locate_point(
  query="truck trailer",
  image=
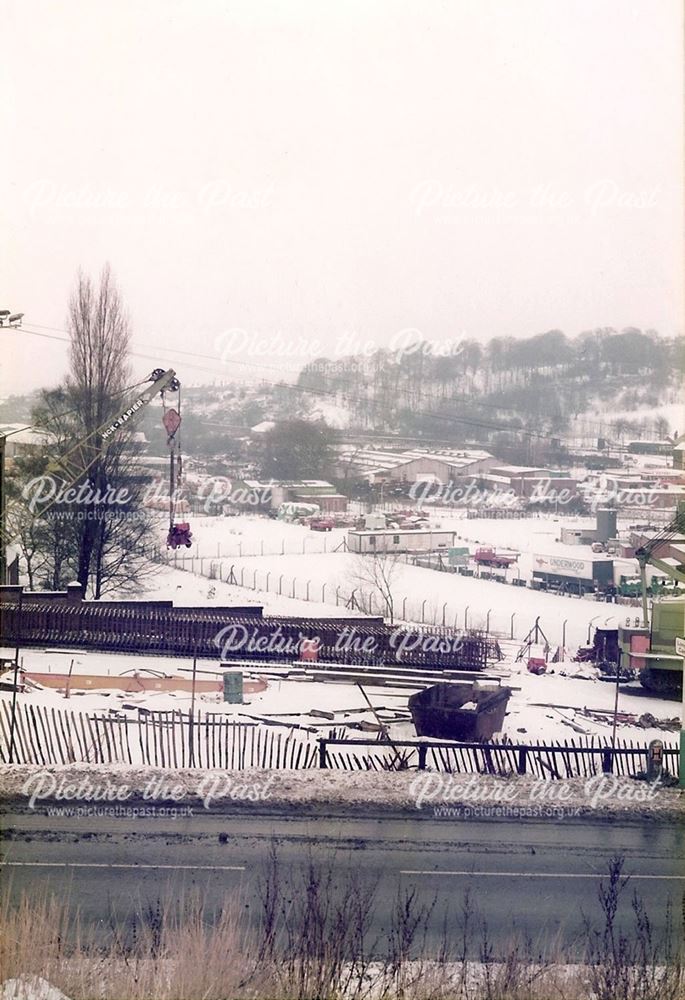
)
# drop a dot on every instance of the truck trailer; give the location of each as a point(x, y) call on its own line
point(571, 575)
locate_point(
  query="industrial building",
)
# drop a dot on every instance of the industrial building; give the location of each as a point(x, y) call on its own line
point(270, 495)
point(585, 534)
point(531, 483)
point(416, 466)
point(399, 540)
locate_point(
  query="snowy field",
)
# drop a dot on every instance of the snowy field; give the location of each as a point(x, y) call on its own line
point(255, 535)
point(550, 706)
point(420, 594)
point(188, 589)
point(271, 556)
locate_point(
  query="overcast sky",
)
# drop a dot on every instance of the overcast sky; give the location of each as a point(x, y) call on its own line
point(309, 171)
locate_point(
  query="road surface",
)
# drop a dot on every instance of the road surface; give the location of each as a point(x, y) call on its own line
point(539, 876)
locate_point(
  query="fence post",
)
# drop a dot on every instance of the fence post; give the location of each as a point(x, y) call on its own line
point(487, 621)
point(323, 593)
point(254, 580)
point(589, 628)
point(466, 616)
point(337, 596)
point(423, 611)
point(511, 625)
point(306, 593)
point(563, 636)
point(422, 757)
point(322, 752)
point(294, 585)
point(242, 574)
point(521, 767)
point(283, 546)
point(444, 611)
point(261, 547)
point(404, 609)
point(280, 584)
point(240, 548)
point(607, 760)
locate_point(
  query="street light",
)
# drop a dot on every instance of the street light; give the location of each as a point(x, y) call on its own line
point(8, 318)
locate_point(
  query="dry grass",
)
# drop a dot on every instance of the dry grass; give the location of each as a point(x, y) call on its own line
point(316, 943)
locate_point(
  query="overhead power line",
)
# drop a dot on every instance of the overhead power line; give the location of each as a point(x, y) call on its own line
point(357, 399)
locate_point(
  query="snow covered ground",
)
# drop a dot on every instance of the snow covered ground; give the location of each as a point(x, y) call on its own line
point(420, 594)
point(546, 707)
point(254, 534)
point(190, 589)
point(370, 791)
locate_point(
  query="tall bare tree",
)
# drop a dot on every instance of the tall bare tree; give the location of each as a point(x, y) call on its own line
point(98, 372)
point(375, 579)
point(98, 536)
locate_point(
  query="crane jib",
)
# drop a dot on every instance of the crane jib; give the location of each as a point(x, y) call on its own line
point(123, 418)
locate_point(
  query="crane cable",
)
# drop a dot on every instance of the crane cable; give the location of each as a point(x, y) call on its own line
point(42, 424)
point(175, 468)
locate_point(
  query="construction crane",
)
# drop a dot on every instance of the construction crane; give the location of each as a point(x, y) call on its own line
point(649, 554)
point(74, 463)
point(652, 645)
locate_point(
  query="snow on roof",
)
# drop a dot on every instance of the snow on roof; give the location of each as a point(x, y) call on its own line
point(21, 434)
point(522, 470)
point(401, 531)
point(327, 496)
point(378, 460)
point(12, 552)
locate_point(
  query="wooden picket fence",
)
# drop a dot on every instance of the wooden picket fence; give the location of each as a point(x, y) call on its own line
point(159, 739)
point(569, 759)
point(212, 740)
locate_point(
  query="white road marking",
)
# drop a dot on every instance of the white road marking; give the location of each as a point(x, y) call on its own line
point(84, 864)
point(537, 874)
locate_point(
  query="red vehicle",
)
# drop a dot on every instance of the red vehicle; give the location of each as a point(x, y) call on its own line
point(537, 660)
point(487, 556)
point(321, 524)
point(179, 534)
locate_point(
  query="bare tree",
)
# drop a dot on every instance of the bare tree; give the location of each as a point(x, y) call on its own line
point(375, 577)
point(98, 372)
point(98, 536)
point(661, 427)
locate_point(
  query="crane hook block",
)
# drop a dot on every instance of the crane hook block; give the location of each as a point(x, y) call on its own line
point(172, 422)
point(179, 534)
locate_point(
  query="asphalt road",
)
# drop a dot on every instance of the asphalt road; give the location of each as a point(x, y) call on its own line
point(539, 876)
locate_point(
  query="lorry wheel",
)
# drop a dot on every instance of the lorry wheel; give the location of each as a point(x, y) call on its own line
point(663, 682)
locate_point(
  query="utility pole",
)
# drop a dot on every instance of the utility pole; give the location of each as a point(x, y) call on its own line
point(13, 321)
